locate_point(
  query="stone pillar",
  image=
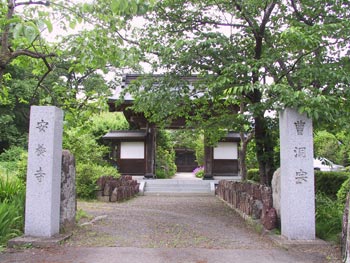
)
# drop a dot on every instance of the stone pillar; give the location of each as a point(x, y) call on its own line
point(208, 163)
point(42, 214)
point(297, 176)
point(68, 205)
point(150, 152)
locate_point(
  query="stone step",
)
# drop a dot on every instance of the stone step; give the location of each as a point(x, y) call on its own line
point(174, 190)
point(168, 186)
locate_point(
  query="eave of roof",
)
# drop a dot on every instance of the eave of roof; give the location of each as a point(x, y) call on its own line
point(120, 135)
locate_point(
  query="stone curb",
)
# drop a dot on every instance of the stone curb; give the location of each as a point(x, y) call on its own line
point(39, 242)
point(286, 243)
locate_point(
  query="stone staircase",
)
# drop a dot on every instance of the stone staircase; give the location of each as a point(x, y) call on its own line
point(172, 186)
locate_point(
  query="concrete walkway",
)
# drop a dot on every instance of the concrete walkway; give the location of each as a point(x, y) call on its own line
point(193, 229)
point(185, 176)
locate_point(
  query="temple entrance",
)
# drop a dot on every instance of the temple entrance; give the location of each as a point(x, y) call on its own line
point(135, 152)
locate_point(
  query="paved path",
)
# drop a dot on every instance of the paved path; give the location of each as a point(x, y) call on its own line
point(193, 229)
point(185, 176)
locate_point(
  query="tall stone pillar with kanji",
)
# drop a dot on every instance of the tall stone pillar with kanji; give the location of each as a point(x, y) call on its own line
point(297, 176)
point(43, 189)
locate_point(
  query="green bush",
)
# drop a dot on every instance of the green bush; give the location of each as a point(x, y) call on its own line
point(343, 191)
point(329, 183)
point(253, 175)
point(199, 172)
point(87, 175)
point(329, 216)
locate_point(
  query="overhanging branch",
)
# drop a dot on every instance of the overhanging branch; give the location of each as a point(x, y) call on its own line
point(46, 3)
point(25, 52)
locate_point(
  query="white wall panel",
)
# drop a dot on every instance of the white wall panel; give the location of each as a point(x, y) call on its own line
point(226, 151)
point(132, 150)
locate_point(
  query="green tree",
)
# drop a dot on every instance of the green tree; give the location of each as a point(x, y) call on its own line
point(67, 72)
point(255, 55)
point(98, 45)
point(14, 109)
point(327, 145)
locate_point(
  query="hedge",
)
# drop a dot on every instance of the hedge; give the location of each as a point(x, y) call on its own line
point(329, 183)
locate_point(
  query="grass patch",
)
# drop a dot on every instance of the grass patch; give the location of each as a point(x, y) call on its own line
point(81, 214)
point(329, 214)
point(12, 198)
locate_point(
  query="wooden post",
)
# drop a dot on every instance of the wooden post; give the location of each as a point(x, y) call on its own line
point(208, 163)
point(150, 151)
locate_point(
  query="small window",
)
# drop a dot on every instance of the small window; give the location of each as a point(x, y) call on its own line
point(132, 150)
point(226, 151)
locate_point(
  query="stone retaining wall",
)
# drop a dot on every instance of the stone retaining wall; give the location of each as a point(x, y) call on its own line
point(111, 189)
point(253, 200)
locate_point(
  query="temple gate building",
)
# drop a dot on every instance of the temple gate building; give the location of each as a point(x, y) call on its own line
point(133, 151)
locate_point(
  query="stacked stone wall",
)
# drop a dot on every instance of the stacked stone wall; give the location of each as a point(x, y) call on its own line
point(112, 189)
point(253, 200)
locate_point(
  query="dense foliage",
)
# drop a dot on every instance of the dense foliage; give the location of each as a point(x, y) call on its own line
point(84, 141)
point(165, 155)
point(343, 191)
point(250, 58)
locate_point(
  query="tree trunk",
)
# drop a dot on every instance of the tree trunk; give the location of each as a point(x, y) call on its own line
point(243, 154)
point(264, 150)
point(242, 162)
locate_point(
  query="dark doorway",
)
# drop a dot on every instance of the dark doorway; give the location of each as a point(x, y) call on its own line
point(185, 160)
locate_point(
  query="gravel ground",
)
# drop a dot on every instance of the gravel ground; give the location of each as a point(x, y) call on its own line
point(154, 228)
point(167, 222)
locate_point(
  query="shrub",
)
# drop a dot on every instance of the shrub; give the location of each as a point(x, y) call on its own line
point(87, 175)
point(343, 191)
point(199, 172)
point(253, 175)
point(330, 182)
point(329, 216)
